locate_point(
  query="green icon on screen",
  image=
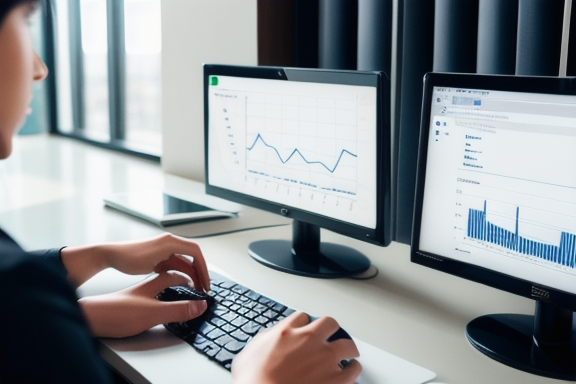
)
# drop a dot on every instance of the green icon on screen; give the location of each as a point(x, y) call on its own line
point(213, 80)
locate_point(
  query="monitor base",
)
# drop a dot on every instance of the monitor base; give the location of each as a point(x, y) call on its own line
point(509, 339)
point(332, 260)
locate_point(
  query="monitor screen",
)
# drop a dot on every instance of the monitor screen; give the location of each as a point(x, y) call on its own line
point(496, 203)
point(308, 144)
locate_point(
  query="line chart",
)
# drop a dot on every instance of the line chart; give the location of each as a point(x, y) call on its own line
point(296, 151)
point(306, 144)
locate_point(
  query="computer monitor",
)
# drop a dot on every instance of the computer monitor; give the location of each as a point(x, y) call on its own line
point(308, 144)
point(496, 204)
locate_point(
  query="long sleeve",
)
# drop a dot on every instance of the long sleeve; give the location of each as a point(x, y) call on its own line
point(44, 336)
point(52, 256)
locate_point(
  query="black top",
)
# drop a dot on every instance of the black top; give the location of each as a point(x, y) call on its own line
point(44, 336)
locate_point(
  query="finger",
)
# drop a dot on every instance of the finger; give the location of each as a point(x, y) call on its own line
point(202, 270)
point(345, 349)
point(297, 319)
point(174, 262)
point(179, 311)
point(351, 372)
point(199, 263)
point(155, 285)
point(170, 279)
point(181, 264)
point(189, 268)
point(325, 327)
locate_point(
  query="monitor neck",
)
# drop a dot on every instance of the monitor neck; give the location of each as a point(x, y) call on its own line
point(305, 239)
point(553, 328)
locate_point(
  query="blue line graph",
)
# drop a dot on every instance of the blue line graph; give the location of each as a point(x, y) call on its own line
point(481, 229)
point(297, 151)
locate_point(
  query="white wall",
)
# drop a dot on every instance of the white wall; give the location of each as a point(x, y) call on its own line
point(196, 32)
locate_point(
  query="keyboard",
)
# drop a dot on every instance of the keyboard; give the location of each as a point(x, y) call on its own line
point(236, 314)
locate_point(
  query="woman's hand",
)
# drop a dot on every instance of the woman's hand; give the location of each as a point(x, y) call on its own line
point(135, 309)
point(297, 351)
point(158, 254)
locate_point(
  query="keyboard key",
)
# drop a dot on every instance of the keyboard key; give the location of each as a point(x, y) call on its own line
point(205, 328)
point(225, 357)
point(264, 300)
point(223, 340)
point(240, 289)
point(251, 315)
point(279, 307)
point(229, 328)
point(261, 320)
point(219, 311)
point(271, 314)
point(234, 346)
point(253, 295)
point(214, 334)
point(239, 321)
point(228, 317)
point(251, 328)
point(200, 343)
point(242, 311)
point(240, 335)
point(226, 284)
point(226, 302)
point(211, 349)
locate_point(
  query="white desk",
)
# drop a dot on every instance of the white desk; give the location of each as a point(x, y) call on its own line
point(52, 192)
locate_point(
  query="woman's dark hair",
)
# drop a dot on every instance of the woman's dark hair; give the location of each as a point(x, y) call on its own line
point(7, 5)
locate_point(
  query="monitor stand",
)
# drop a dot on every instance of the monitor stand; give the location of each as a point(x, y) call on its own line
point(543, 344)
point(307, 256)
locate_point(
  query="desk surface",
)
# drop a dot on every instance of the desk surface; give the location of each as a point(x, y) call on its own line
point(52, 191)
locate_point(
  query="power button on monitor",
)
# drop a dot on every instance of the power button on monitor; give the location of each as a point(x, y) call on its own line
point(284, 211)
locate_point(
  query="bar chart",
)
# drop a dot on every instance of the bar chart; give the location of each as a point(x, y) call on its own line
point(563, 253)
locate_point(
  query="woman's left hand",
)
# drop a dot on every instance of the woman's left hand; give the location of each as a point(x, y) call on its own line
point(135, 309)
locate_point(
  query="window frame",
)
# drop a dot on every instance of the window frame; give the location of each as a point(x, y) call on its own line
point(116, 78)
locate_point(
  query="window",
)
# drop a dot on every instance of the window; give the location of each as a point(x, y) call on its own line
point(107, 56)
point(143, 49)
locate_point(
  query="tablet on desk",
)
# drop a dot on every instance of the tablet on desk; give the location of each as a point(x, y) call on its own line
point(163, 209)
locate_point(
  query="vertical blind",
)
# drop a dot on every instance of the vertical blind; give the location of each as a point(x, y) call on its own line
point(408, 38)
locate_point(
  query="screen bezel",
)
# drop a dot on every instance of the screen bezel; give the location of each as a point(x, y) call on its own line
point(381, 234)
point(505, 282)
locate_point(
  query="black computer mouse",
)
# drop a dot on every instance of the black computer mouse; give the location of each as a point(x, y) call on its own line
point(339, 334)
point(178, 293)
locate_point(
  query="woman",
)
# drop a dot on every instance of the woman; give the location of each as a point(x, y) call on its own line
point(46, 334)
